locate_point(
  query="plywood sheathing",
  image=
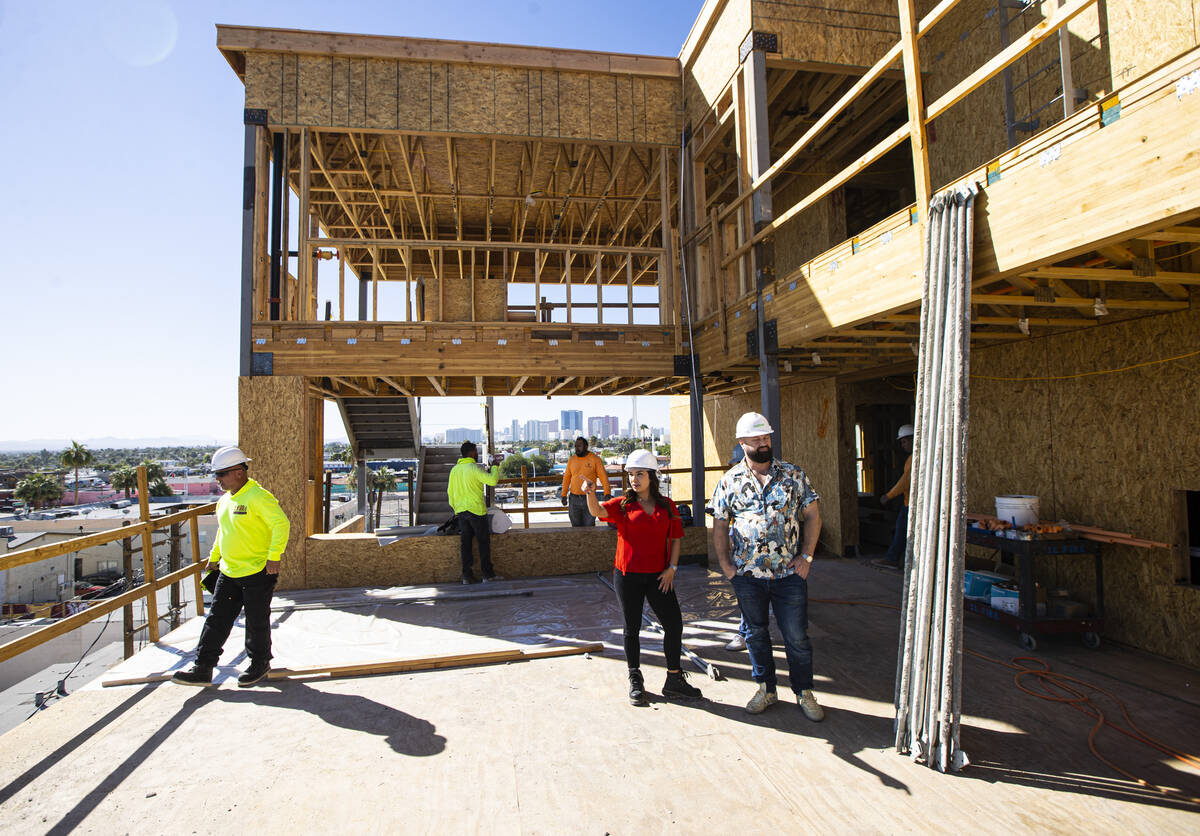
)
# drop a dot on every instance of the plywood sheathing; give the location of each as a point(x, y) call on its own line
point(384, 94)
point(709, 63)
point(1106, 450)
point(355, 560)
point(852, 33)
point(1140, 36)
point(271, 431)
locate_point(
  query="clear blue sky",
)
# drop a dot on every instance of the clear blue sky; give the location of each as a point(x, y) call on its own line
point(121, 184)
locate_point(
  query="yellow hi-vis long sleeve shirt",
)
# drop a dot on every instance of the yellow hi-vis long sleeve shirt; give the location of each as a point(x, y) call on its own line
point(465, 488)
point(251, 529)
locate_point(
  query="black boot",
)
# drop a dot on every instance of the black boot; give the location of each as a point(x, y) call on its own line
point(256, 672)
point(637, 688)
point(677, 686)
point(198, 675)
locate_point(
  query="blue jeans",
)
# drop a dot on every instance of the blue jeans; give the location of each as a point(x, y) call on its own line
point(788, 598)
point(895, 552)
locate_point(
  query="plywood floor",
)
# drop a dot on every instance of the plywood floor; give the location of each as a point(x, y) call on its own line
point(551, 746)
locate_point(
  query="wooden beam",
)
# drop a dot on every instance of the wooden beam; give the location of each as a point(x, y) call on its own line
point(350, 385)
point(638, 385)
point(479, 386)
point(597, 386)
point(437, 387)
point(518, 385)
point(1056, 17)
point(1103, 274)
point(1131, 304)
point(403, 390)
point(916, 105)
point(559, 385)
point(1175, 235)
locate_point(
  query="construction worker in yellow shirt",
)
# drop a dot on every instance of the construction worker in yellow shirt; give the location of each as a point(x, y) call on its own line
point(251, 536)
point(583, 466)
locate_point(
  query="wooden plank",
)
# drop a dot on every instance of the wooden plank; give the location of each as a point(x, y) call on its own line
point(913, 88)
point(143, 490)
point(1061, 302)
point(1103, 274)
point(1057, 17)
point(194, 534)
point(1175, 234)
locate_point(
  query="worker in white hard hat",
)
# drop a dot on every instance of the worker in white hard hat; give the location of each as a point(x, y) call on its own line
point(252, 532)
point(648, 533)
point(766, 523)
point(895, 552)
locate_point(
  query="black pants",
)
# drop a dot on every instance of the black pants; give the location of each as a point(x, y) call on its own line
point(633, 590)
point(251, 593)
point(474, 527)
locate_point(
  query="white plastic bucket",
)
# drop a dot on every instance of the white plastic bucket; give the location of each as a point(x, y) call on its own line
point(1018, 509)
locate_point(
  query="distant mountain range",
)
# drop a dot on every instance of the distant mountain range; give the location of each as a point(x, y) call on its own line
point(35, 444)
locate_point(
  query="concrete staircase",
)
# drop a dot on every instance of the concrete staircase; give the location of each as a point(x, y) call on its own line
point(433, 506)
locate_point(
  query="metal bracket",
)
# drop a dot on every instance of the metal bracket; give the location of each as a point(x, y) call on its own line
point(752, 343)
point(262, 364)
point(765, 41)
point(771, 336)
point(255, 116)
point(683, 365)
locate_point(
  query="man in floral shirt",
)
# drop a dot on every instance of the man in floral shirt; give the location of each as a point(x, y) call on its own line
point(762, 507)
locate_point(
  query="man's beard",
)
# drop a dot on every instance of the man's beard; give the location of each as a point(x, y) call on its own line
point(579, 452)
point(760, 455)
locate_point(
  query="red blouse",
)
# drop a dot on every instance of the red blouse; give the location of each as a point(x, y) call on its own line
point(643, 540)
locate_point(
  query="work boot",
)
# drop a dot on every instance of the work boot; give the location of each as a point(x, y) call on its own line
point(809, 705)
point(678, 686)
point(738, 642)
point(761, 701)
point(637, 687)
point(491, 578)
point(255, 673)
point(199, 675)
point(468, 580)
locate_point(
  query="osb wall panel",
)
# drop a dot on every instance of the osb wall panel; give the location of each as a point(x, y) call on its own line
point(851, 32)
point(716, 61)
point(817, 229)
point(348, 560)
point(271, 432)
point(809, 437)
point(384, 94)
point(1140, 35)
point(1105, 450)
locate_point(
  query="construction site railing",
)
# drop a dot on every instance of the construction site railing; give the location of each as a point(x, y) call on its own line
point(1058, 14)
point(147, 590)
point(525, 480)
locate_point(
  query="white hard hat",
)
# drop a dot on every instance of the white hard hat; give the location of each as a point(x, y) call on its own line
point(641, 460)
point(228, 457)
point(752, 424)
point(906, 431)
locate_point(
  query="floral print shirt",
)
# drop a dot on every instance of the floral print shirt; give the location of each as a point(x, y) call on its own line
point(765, 521)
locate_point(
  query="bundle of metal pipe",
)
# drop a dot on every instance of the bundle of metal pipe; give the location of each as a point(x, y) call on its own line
point(929, 667)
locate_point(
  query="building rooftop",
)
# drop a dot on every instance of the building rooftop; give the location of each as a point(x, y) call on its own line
point(552, 744)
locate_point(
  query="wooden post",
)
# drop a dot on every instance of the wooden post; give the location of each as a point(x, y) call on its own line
point(194, 533)
point(303, 246)
point(600, 288)
point(174, 557)
point(567, 278)
point(127, 610)
point(537, 287)
point(341, 285)
point(666, 263)
point(328, 499)
point(525, 493)
point(916, 105)
point(147, 554)
point(629, 283)
point(411, 506)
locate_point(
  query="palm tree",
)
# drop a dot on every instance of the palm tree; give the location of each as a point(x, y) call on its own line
point(124, 478)
point(39, 489)
point(382, 480)
point(76, 456)
point(154, 471)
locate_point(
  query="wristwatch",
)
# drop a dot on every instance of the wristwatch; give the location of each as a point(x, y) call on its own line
point(807, 557)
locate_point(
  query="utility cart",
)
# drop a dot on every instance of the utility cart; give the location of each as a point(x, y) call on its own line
point(1026, 620)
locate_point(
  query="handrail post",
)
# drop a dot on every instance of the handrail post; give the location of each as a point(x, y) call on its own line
point(194, 533)
point(127, 610)
point(525, 494)
point(147, 554)
point(174, 557)
point(411, 507)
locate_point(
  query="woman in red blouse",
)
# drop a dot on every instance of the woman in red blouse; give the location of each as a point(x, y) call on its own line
point(648, 535)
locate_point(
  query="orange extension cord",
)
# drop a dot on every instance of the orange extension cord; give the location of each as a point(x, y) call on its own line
point(1077, 699)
